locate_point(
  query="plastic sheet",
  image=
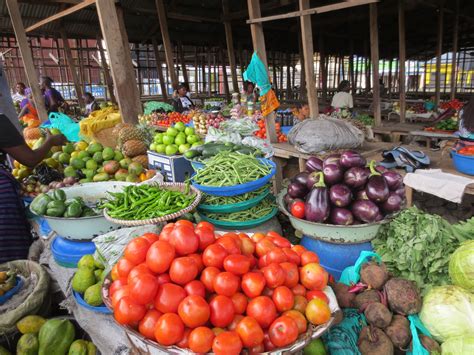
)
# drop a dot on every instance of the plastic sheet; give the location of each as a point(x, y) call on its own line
point(65, 124)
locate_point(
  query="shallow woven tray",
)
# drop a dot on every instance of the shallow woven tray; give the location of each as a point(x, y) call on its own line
point(174, 186)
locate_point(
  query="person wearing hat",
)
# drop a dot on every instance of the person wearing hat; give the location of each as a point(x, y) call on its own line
point(182, 102)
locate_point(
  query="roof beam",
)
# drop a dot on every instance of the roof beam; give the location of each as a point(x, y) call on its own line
point(312, 11)
point(61, 14)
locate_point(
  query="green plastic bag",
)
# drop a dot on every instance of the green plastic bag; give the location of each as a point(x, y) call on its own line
point(351, 274)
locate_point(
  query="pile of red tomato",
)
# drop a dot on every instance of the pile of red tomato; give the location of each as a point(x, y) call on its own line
point(262, 132)
point(455, 104)
point(468, 150)
point(169, 119)
point(194, 289)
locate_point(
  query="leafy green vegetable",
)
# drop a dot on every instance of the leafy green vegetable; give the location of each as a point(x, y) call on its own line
point(365, 119)
point(417, 246)
point(461, 266)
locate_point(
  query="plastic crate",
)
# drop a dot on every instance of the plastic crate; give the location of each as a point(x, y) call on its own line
point(174, 168)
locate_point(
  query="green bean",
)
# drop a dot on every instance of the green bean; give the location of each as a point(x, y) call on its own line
point(227, 200)
point(261, 210)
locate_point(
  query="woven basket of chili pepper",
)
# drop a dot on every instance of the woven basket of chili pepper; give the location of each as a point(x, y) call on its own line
point(136, 203)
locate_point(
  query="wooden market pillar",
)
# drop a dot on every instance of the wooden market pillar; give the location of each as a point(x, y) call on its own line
point(323, 69)
point(402, 55)
point(308, 53)
point(121, 65)
point(374, 54)
point(439, 51)
point(105, 69)
point(182, 59)
point(454, 60)
point(27, 57)
point(159, 69)
point(230, 45)
point(72, 67)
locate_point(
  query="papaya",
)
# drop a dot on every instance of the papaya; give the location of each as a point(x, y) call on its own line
point(56, 336)
point(78, 347)
point(30, 324)
point(91, 348)
point(4, 351)
point(27, 345)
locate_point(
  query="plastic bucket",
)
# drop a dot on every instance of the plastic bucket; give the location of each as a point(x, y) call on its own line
point(335, 257)
point(463, 163)
point(67, 253)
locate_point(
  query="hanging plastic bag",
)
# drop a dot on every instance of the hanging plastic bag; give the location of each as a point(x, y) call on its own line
point(269, 102)
point(65, 124)
point(415, 325)
point(351, 274)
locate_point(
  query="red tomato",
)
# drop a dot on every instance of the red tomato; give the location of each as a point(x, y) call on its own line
point(298, 249)
point(168, 298)
point(183, 270)
point(194, 311)
point(143, 288)
point(263, 310)
point(184, 222)
point(222, 311)
point(207, 277)
point(159, 256)
point(198, 260)
point(274, 275)
point(169, 329)
point(128, 312)
point(118, 295)
point(240, 302)
point(205, 225)
point(235, 321)
point(264, 246)
point(263, 261)
point(184, 240)
point(116, 285)
point(226, 283)
point(276, 255)
point(309, 257)
point(313, 276)
point(292, 256)
point(200, 340)
point(151, 237)
point(166, 232)
point(184, 342)
point(195, 287)
point(297, 209)
point(206, 237)
point(291, 274)
point(248, 246)
point(214, 255)
point(317, 311)
point(163, 279)
point(258, 349)
point(146, 327)
point(283, 331)
point(139, 270)
point(229, 244)
point(124, 266)
point(253, 284)
point(283, 298)
point(237, 264)
point(317, 294)
point(114, 273)
point(256, 237)
point(268, 345)
point(250, 332)
point(278, 240)
point(136, 250)
point(299, 318)
point(227, 343)
point(299, 290)
point(300, 303)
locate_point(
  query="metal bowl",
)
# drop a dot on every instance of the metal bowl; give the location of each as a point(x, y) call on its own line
point(86, 228)
point(331, 233)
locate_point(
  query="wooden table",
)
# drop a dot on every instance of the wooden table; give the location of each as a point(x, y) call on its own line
point(429, 136)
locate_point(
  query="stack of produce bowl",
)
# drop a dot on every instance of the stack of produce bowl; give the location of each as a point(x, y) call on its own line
point(236, 190)
point(339, 204)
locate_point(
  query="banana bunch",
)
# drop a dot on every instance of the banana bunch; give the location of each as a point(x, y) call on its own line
point(7, 281)
point(101, 119)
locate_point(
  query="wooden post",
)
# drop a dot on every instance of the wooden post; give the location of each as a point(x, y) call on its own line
point(183, 63)
point(351, 67)
point(105, 68)
point(203, 71)
point(402, 56)
point(307, 37)
point(159, 69)
point(27, 57)
point(224, 75)
point(374, 52)
point(120, 62)
point(454, 61)
point(196, 72)
point(288, 76)
point(230, 45)
point(303, 91)
point(323, 68)
point(275, 86)
point(439, 51)
point(390, 78)
point(160, 7)
point(209, 72)
point(72, 67)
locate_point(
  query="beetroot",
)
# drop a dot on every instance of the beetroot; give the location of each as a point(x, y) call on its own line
point(373, 341)
point(378, 315)
point(374, 275)
point(399, 332)
point(366, 297)
point(403, 296)
point(345, 299)
point(429, 344)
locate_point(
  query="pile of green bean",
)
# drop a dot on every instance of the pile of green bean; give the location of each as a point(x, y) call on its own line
point(259, 211)
point(227, 200)
point(231, 168)
point(138, 202)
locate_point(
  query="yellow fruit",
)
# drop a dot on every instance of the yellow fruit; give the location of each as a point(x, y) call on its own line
point(28, 344)
point(81, 145)
point(30, 324)
point(74, 154)
point(31, 133)
point(23, 173)
point(16, 164)
point(15, 172)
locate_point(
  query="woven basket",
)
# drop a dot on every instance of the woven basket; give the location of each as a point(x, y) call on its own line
point(174, 186)
point(106, 137)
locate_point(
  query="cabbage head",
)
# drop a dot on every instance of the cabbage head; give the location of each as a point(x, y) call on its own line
point(461, 266)
point(448, 312)
point(463, 345)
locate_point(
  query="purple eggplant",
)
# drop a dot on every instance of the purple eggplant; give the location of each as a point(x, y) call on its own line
point(333, 174)
point(341, 216)
point(317, 202)
point(401, 192)
point(381, 169)
point(314, 164)
point(362, 195)
point(301, 178)
point(356, 177)
point(296, 190)
point(393, 203)
point(365, 211)
point(394, 180)
point(332, 159)
point(377, 188)
point(350, 159)
point(340, 195)
point(313, 179)
point(379, 217)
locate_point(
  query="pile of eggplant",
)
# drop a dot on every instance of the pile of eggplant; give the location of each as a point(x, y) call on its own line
point(344, 190)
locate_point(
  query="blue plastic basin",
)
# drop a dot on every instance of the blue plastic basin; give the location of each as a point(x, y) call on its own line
point(67, 253)
point(335, 257)
point(463, 163)
point(83, 303)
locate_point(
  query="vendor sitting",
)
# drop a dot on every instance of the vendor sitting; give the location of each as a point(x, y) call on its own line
point(181, 101)
point(342, 99)
point(91, 104)
point(466, 122)
point(302, 113)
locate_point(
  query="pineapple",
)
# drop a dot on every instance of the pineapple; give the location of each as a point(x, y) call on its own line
point(32, 133)
point(138, 133)
point(142, 159)
point(134, 147)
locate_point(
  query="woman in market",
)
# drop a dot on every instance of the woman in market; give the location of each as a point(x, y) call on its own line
point(466, 123)
point(91, 104)
point(53, 99)
point(342, 99)
point(182, 102)
point(249, 91)
point(15, 237)
point(28, 113)
point(20, 95)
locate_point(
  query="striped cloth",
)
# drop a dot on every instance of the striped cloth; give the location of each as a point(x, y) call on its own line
point(15, 237)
